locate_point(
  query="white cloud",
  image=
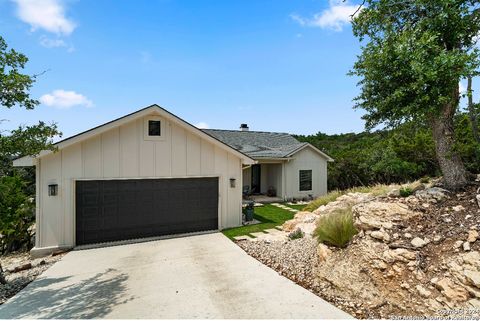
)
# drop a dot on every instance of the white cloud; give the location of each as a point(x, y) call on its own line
point(335, 17)
point(64, 99)
point(202, 125)
point(45, 14)
point(55, 43)
point(52, 43)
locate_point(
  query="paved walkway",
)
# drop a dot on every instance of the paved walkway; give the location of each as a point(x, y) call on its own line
point(203, 276)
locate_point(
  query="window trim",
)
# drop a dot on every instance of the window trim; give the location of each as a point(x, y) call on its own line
point(300, 180)
point(146, 131)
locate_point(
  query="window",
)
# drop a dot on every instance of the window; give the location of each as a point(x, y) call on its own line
point(154, 128)
point(305, 180)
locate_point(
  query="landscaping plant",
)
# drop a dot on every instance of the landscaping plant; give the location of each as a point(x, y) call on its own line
point(336, 228)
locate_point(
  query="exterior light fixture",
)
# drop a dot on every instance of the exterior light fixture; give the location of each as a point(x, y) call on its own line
point(52, 189)
point(233, 182)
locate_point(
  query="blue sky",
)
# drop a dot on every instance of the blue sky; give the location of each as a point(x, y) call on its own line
point(278, 65)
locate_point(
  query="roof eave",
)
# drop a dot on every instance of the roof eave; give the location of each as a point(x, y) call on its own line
point(132, 116)
point(328, 158)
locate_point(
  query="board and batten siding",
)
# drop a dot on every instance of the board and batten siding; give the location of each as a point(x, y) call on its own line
point(306, 159)
point(121, 153)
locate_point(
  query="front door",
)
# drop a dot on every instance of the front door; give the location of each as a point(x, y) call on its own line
point(256, 179)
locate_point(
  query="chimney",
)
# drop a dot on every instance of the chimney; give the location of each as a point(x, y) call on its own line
point(244, 127)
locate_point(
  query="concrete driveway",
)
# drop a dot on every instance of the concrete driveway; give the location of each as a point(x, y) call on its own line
point(204, 276)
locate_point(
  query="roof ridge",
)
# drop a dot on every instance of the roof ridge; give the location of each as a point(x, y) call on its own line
point(246, 131)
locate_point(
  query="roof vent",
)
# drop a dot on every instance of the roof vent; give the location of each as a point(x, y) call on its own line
point(244, 127)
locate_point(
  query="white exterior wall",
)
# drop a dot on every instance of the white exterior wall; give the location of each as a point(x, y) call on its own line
point(122, 152)
point(306, 159)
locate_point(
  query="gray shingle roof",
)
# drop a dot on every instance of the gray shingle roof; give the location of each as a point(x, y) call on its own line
point(258, 144)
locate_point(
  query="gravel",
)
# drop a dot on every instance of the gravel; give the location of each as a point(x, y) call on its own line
point(293, 259)
point(17, 281)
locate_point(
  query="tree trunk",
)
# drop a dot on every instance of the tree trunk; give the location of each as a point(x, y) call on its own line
point(451, 165)
point(471, 111)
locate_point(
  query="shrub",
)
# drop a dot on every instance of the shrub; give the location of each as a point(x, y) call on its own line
point(297, 234)
point(336, 228)
point(406, 191)
point(16, 215)
point(322, 200)
point(425, 180)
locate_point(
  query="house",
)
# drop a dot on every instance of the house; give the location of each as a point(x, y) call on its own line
point(285, 167)
point(149, 174)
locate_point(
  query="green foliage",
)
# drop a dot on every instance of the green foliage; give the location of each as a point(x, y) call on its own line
point(295, 235)
point(398, 155)
point(16, 214)
point(269, 216)
point(416, 53)
point(425, 180)
point(322, 200)
point(17, 185)
point(14, 86)
point(406, 191)
point(331, 196)
point(336, 228)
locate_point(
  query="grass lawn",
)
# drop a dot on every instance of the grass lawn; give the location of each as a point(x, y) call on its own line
point(297, 207)
point(269, 215)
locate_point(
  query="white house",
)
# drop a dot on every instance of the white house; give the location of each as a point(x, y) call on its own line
point(285, 167)
point(150, 174)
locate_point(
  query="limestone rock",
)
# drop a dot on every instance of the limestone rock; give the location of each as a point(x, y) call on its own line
point(418, 242)
point(378, 264)
point(402, 255)
point(375, 214)
point(475, 303)
point(478, 200)
point(472, 258)
point(432, 194)
point(473, 277)
point(452, 291)
point(423, 292)
point(380, 235)
point(457, 244)
point(466, 246)
point(323, 252)
point(458, 208)
point(394, 193)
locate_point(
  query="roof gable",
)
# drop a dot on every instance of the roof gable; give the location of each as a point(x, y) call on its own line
point(152, 109)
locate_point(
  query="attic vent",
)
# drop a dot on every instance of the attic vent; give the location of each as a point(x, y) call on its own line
point(244, 127)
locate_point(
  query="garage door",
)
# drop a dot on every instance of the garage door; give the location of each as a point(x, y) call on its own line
point(114, 210)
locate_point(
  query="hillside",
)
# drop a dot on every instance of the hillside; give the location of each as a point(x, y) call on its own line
point(390, 156)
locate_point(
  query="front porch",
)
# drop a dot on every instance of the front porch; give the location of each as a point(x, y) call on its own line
point(264, 182)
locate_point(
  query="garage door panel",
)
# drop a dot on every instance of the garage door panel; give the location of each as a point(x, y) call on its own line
point(112, 210)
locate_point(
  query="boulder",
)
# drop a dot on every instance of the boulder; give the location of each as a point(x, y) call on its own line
point(423, 292)
point(375, 215)
point(466, 246)
point(458, 208)
point(452, 291)
point(472, 236)
point(478, 200)
point(394, 193)
point(473, 277)
point(472, 258)
point(343, 202)
point(380, 235)
point(402, 255)
point(418, 242)
point(432, 194)
point(323, 252)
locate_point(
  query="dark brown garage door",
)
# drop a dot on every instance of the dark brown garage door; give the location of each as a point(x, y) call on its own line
point(114, 210)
